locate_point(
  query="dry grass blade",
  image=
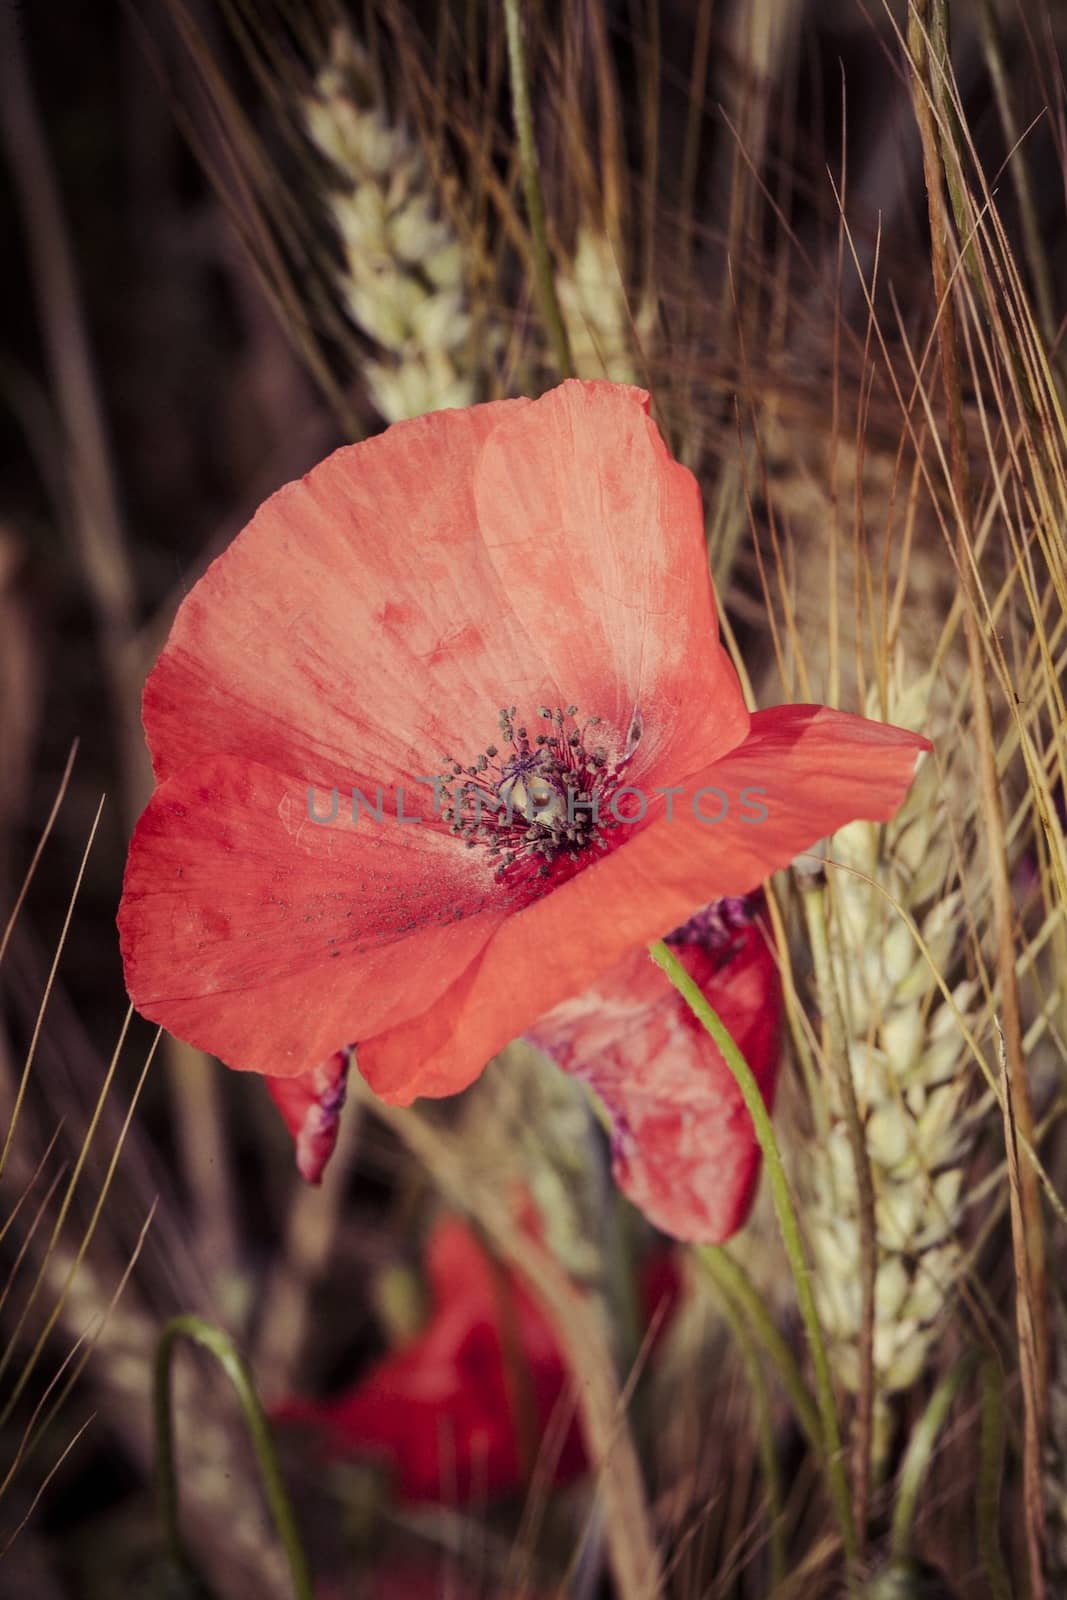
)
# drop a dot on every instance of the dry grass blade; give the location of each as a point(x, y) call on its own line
point(1033, 1488)
point(76, 1359)
point(54, 1314)
point(37, 854)
point(38, 1216)
point(91, 494)
point(92, 502)
point(35, 1502)
point(25, 1078)
point(928, 95)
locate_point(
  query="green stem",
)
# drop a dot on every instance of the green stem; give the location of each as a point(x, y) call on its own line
point(924, 1437)
point(531, 182)
point(734, 1284)
point(788, 1224)
point(225, 1352)
point(990, 1456)
point(764, 1426)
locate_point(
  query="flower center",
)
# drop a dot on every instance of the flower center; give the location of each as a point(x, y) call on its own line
point(541, 805)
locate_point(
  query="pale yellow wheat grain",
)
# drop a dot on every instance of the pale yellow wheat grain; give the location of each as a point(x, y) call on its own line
point(403, 275)
point(917, 1093)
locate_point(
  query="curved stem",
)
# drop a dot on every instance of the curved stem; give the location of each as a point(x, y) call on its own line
point(225, 1352)
point(669, 964)
point(531, 182)
point(734, 1284)
point(711, 1256)
point(924, 1437)
point(990, 1452)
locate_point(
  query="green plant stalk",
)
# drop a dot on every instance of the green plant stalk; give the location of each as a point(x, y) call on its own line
point(813, 896)
point(924, 1437)
point(920, 1450)
point(221, 1346)
point(837, 1483)
point(531, 182)
point(734, 1284)
point(768, 1454)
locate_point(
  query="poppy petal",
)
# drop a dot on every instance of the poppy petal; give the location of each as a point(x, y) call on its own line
point(817, 769)
point(311, 1108)
point(598, 537)
point(346, 634)
point(683, 1146)
point(273, 941)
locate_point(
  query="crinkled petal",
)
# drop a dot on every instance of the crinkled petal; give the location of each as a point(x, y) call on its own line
point(683, 1146)
point(311, 1108)
point(817, 769)
point(274, 941)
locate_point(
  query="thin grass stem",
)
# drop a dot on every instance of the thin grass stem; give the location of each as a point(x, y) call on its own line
point(734, 1284)
point(772, 1476)
point(221, 1346)
point(531, 182)
point(921, 1446)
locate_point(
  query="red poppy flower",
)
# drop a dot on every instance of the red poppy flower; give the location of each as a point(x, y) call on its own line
point(441, 1411)
point(683, 1145)
point(362, 633)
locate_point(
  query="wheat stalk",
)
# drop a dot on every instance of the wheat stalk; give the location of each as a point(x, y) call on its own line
point(906, 1054)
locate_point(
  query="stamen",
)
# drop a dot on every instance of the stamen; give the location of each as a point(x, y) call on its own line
point(541, 808)
point(716, 927)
